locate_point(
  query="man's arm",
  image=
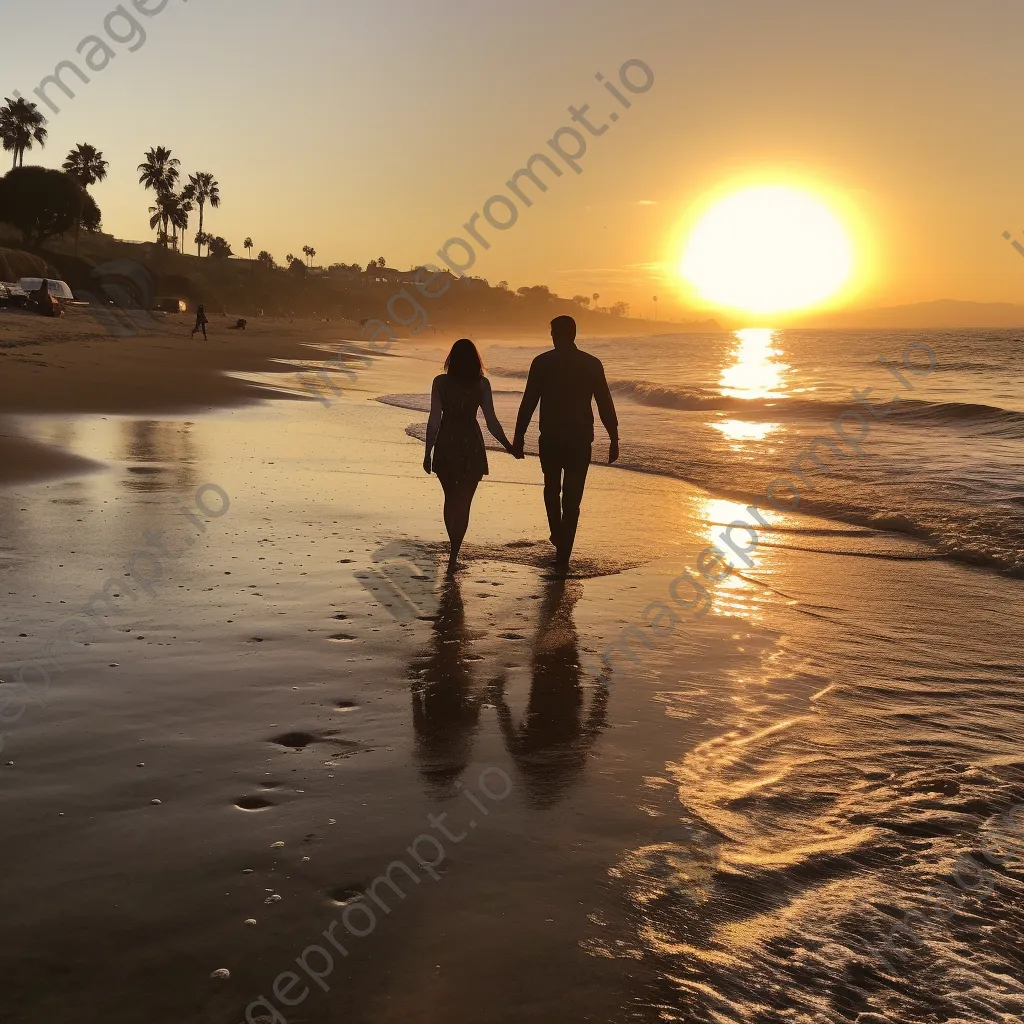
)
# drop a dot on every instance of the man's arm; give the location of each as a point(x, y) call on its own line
point(531, 397)
point(606, 410)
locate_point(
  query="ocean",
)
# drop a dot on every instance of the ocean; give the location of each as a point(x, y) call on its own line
point(848, 839)
point(732, 413)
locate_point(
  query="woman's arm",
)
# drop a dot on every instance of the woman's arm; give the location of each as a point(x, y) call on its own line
point(493, 424)
point(434, 423)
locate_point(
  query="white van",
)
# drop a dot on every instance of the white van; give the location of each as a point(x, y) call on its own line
point(58, 289)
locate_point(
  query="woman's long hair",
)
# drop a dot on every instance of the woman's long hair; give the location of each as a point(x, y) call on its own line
point(464, 362)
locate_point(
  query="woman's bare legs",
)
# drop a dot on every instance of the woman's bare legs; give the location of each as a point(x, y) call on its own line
point(458, 500)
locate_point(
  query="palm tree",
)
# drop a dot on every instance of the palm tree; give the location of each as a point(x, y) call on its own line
point(312, 253)
point(247, 244)
point(187, 203)
point(179, 207)
point(202, 238)
point(86, 165)
point(155, 219)
point(207, 190)
point(21, 125)
point(306, 251)
point(289, 260)
point(160, 173)
point(165, 212)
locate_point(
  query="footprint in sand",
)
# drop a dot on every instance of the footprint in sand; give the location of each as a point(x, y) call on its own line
point(253, 803)
point(344, 895)
point(295, 740)
point(341, 638)
point(300, 740)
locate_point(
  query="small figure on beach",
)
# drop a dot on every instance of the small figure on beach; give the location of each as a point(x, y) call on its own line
point(238, 325)
point(565, 382)
point(45, 304)
point(201, 322)
point(455, 445)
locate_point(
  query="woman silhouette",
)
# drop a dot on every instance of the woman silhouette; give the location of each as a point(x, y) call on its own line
point(454, 438)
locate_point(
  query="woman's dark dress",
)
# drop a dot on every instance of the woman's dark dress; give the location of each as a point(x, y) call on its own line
point(459, 453)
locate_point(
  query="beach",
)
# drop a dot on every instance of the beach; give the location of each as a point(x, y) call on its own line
point(237, 690)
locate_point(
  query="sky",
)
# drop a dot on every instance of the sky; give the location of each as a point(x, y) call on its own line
point(369, 130)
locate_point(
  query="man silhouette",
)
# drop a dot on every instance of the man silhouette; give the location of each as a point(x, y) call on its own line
point(565, 382)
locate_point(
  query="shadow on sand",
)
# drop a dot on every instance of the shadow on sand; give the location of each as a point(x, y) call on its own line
point(550, 744)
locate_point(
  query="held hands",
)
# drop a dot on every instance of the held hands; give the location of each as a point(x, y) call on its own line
point(613, 452)
point(516, 451)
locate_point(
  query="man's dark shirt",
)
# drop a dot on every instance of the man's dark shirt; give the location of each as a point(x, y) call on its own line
point(565, 381)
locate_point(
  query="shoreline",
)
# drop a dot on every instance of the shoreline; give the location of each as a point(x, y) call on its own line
point(74, 366)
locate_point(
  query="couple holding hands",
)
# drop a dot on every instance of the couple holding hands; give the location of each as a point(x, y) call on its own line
point(564, 382)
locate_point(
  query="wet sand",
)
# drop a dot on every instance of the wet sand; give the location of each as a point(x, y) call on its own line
point(276, 662)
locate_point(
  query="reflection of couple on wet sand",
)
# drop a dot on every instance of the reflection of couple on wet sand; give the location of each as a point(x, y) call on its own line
point(565, 382)
point(551, 744)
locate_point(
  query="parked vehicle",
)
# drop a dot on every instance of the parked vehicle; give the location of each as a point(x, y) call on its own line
point(13, 295)
point(58, 289)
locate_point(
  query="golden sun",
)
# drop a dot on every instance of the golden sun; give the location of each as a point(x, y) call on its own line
point(768, 249)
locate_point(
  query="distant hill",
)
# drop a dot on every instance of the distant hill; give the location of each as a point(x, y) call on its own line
point(924, 315)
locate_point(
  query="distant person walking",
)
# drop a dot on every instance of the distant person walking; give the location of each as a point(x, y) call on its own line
point(455, 445)
point(201, 322)
point(45, 303)
point(565, 382)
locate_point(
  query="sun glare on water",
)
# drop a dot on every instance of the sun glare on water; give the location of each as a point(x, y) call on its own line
point(771, 249)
